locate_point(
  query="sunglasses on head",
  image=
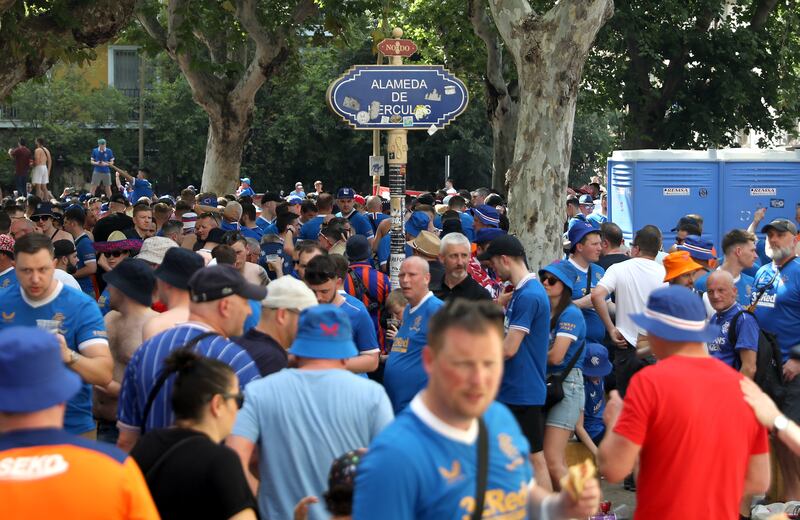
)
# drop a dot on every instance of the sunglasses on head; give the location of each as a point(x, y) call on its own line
point(115, 254)
point(549, 279)
point(239, 398)
point(37, 218)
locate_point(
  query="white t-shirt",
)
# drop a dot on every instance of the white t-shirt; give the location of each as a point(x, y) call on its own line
point(67, 279)
point(632, 282)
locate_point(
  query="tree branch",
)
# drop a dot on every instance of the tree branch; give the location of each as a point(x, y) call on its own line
point(579, 16)
point(482, 26)
point(761, 13)
point(509, 16)
point(151, 25)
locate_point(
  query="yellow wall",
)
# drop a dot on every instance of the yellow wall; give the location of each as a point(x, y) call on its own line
point(95, 72)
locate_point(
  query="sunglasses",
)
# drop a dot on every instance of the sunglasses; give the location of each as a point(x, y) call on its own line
point(239, 398)
point(550, 280)
point(115, 254)
point(37, 218)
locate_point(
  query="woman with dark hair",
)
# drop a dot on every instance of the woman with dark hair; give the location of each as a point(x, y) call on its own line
point(564, 362)
point(189, 473)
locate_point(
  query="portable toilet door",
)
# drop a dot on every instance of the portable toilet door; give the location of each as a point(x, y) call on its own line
point(754, 179)
point(658, 187)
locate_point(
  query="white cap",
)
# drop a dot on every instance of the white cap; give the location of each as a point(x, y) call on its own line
point(154, 249)
point(288, 292)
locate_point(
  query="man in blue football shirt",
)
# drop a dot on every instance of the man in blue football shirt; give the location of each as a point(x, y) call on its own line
point(525, 346)
point(585, 249)
point(404, 376)
point(740, 355)
point(102, 157)
point(776, 294)
point(359, 223)
point(324, 278)
point(39, 300)
point(429, 455)
point(87, 259)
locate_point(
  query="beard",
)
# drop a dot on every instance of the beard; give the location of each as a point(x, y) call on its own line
point(782, 253)
point(72, 268)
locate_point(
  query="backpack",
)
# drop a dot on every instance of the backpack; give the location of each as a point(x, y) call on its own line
point(769, 362)
point(360, 289)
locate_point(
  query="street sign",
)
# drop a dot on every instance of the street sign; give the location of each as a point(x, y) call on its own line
point(376, 165)
point(397, 47)
point(407, 97)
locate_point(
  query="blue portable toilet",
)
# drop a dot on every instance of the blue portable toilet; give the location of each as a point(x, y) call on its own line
point(725, 187)
point(658, 187)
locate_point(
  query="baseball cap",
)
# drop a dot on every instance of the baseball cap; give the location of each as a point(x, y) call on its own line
point(781, 225)
point(357, 248)
point(345, 193)
point(562, 270)
point(287, 292)
point(134, 278)
point(178, 266)
point(586, 200)
point(32, 372)
point(7, 244)
point(507, 245)
point(488, 234)
point(270, 196)
point(44, 208)
point(419, 221)
point(698, 247)
point(487, 215)
point(683, 222)
point(154, 249)
point(595, 362)
point(294, 199)
point(676, 313)
point(61, 248)
point(245, 180)
point(101, 141)
point(210, 200)
point(219, 281)
point(576, 233)
point(324, 332)
point(118, 198)
point(678, 263)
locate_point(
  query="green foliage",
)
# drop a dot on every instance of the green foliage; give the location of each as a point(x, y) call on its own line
point(594, 137)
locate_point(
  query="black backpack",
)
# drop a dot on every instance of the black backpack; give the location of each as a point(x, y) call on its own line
point(769, 362)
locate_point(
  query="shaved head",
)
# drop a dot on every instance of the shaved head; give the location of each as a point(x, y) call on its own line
point(418, 262)
point(722, 277)
point(721, 290)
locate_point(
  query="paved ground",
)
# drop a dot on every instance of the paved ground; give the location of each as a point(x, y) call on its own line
point(617, 495)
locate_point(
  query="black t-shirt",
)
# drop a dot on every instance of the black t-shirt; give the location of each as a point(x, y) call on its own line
point(437, 274)
point(268, 355)
point(607, 261)
point(468, 289)
point(106, 225)
point(199, 479)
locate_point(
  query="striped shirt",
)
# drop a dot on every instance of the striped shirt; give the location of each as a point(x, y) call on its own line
point(377, 287)
point(148, 362)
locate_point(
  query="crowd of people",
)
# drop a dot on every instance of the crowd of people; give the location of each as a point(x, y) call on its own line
point(244, 355)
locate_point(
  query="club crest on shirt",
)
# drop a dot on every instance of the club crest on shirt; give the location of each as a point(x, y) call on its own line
point(415, 327)
point(453, 474)
point(8, 317)
point(725, 327)
point(510, 450)
point(6, 283)
point(58, 317)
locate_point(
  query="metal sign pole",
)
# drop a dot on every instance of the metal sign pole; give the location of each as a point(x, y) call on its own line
point(397, 148)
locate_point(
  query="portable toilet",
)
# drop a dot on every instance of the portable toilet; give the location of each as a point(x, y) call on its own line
point(754, 179)
point(658, 187)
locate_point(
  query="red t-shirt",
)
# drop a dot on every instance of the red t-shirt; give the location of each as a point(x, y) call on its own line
point(22, 160)
point(697, 435)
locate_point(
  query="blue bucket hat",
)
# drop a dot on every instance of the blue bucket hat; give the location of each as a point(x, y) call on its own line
point(564, 271)
point(579, 229)
point(324, 332)
point(418, 222)
point(596, 363)
point(294, 200)
point(676, 313)
point(32, 373)
point(488, 234)
point(487, 215)
point(698, 247)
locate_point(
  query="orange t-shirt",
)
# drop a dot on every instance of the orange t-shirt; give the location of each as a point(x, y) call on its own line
point(48, 473)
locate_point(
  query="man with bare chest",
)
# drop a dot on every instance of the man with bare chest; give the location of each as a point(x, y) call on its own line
point(40, 174)
point(131, 286)
point(172, 284)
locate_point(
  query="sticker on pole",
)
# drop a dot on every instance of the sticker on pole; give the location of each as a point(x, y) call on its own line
point(376, 164)
point(385, 97)
point(763, 192)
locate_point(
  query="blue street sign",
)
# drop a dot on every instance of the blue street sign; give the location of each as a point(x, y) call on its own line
point(411, 97)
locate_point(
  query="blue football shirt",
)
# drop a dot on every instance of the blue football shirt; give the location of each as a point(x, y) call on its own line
point(403, 375)
point(359, 223)
point(79, 321)
point(267, 226)
point(524, 376)
point(103, 302)
point(595, 405)
point(420, 468)
point(778, 310)
point(8, 278)
point(310, 230)
point(102, 156)
point(364, 334)
point(595, 330)
point(385, 249)
point(86, 255)
point(147, 364)
point(570, 325)
point(747, 331)
point(141, 188)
